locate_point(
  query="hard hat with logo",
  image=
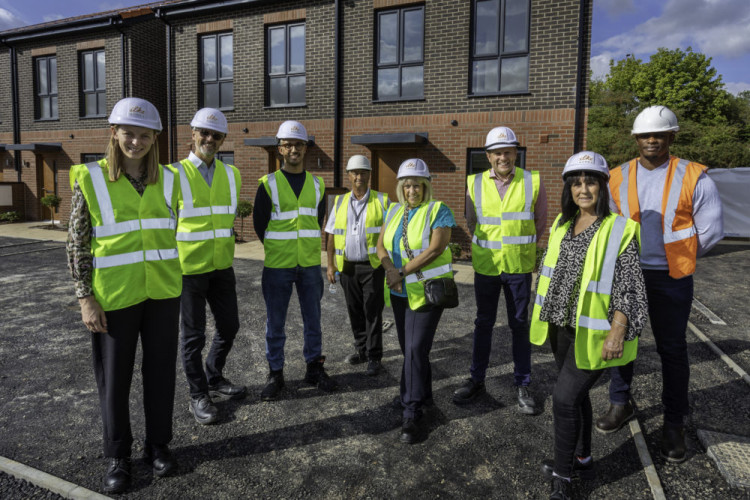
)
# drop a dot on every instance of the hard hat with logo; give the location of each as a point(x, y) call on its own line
point(292, 129)
point(211, 119)
point(500, 137)
point(413, 167)
point(586, 161)
point(655, 119)
point(358, 162)
point(136, 112)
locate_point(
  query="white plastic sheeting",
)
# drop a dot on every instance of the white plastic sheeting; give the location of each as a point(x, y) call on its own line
point(734, 186)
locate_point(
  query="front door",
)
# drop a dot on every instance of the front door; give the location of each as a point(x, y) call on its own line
point(386, 162)
point(47, 182)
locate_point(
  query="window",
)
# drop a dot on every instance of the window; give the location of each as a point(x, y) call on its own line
point(500, 47)
point(477, 161)
point(93, 84)
point(226, 157)
point(285, 84)
point(46, 88)
point(217, 73)
point(89, 157)
point(399, 54)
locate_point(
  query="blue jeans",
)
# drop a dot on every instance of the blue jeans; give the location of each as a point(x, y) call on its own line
point(517, 291)
point(277, 290)
point(669, 302)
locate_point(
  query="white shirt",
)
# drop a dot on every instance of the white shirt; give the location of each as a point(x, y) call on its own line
point(355, 245)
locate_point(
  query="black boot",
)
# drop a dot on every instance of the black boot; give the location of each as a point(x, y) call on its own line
point(274, 384)
point(117, 478)
point(316, 375)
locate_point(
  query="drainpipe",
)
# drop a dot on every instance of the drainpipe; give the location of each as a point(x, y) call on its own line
point(171, 132)
point(15, 108)
point(577, 141)
point(337, 98)
point(124, 91)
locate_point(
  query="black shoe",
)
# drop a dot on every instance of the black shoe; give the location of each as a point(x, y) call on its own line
point(409, 431)
point(161, 459)
point(203, 409)
point(673, 447)
point(224, 389)
point(467, 392)
point(357, 358)
point(374, 366)
point(117, 478)
point(583, 471)
point(561, 489)
point(316, 375)
point(274, 384)
point(616, 417)
point(526, 403)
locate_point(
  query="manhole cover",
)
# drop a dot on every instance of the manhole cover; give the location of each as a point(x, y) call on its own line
point(731, 454)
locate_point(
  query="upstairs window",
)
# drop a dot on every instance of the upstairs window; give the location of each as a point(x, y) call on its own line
point(46, 88)
point(217, 71)
point(399, 55)
point(285, 75)
point(93, 84)
point(500, 47)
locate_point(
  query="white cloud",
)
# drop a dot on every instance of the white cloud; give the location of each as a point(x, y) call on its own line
point(600, 64)
point(8, 20)
point(736, 87)
point(614, 8)
point(52, 17)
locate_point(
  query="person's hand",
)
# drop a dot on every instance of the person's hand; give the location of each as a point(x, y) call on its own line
point(331, 274)
point(613, 346)
point(93, 315)
point(393, 279)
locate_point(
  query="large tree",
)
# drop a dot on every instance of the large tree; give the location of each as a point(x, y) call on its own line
point(714, 124)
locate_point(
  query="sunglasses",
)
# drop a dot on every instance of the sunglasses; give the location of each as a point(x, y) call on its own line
point(299, 146)
point(207, 133)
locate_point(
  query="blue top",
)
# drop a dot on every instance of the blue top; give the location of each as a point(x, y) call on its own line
point(444, 219)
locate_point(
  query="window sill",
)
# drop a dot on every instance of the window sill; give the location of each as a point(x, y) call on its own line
point(46, 120)
point(410, 99)
point(493, 94)
point(294, 105)
point(92, 117)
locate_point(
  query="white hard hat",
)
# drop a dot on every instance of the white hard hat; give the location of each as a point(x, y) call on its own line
point(137, 112)
point(358, 162)
point(586, 160)
point(500, 137)
point(291, 129)
point(655, 119)
point(211, 119)
point(413, 167)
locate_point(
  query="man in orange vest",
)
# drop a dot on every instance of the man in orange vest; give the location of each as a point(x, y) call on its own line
point(679, 210)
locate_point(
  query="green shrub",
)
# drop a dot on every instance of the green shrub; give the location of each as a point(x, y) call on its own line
point(455, 249)
point(11, 216)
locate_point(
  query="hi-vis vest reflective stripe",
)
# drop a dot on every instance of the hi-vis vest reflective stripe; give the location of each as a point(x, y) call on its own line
point(377, 204)
point(680, 239)
point(293, 235)
point(419, 240)
point(133, 238)
point(505, 236)
point(205, 225)
point(613, 236)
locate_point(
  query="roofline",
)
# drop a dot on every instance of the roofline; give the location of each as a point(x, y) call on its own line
point(42, 31)
point(188, 7)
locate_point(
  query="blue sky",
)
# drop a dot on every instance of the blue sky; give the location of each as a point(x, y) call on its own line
point(718, 28)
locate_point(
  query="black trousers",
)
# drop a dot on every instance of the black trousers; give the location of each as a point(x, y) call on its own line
point(218, 288)
point(363, 290)
point(571, 405)
point(155, 322)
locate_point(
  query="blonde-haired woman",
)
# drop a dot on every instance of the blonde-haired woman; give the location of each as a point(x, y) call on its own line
point(123, 257)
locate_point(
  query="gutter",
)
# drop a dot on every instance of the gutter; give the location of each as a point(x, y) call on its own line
point(203, 6)
point(64, 30)
point(577, 142)
point(337, 97)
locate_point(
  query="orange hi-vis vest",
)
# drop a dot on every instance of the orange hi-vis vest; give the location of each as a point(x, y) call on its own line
point(680, 239)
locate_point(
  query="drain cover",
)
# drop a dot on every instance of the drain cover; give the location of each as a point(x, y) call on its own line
point(731, 454)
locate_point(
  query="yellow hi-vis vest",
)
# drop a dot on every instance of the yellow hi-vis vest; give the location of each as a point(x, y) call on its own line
point(133, 237)
point(377, 204)
point(292, 237)
point(205, 224)
point(592, 325)
point(418, 233)
point(505, 235)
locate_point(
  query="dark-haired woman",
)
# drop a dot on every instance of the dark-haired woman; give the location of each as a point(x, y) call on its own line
point(591, 302)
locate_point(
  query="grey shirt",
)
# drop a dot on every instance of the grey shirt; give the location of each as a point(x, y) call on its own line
point(206, 171)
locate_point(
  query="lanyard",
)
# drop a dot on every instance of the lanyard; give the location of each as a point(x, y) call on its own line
point(357, 215)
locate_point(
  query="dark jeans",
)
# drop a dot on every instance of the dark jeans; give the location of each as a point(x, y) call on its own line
point(669, 303)
point(218, 288)
point(416, 330)
point(517, 291)
point(363, 289)
point(277, 291)
point(571, 405)
point(155, 322)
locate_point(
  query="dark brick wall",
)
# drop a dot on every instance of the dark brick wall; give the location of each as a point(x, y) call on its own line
point(6, 113)
point(146, 68)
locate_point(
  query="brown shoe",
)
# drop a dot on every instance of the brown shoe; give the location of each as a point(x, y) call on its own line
point(673, 447)
point(615, 418)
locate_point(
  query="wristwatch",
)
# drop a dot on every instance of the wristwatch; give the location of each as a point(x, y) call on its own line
point(401, 271)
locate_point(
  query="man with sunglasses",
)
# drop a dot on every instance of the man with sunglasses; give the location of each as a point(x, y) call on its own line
point(679, 210)
point(205, 241)
point(288, 214)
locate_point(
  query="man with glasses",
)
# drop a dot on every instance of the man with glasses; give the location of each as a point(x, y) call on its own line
point(288, 214)
point(205, 241)
point(354, 225)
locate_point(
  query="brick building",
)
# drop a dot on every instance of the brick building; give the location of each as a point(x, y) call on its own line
point(390, 79)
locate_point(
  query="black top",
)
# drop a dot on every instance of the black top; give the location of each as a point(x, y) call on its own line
point(262, 207)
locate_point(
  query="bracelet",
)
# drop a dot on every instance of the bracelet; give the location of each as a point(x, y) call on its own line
point(615, 321)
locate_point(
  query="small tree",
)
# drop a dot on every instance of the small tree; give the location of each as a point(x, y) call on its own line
point(51, 201)
point(244, 209)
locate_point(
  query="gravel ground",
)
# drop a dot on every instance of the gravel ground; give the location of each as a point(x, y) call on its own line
point(311, 444)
